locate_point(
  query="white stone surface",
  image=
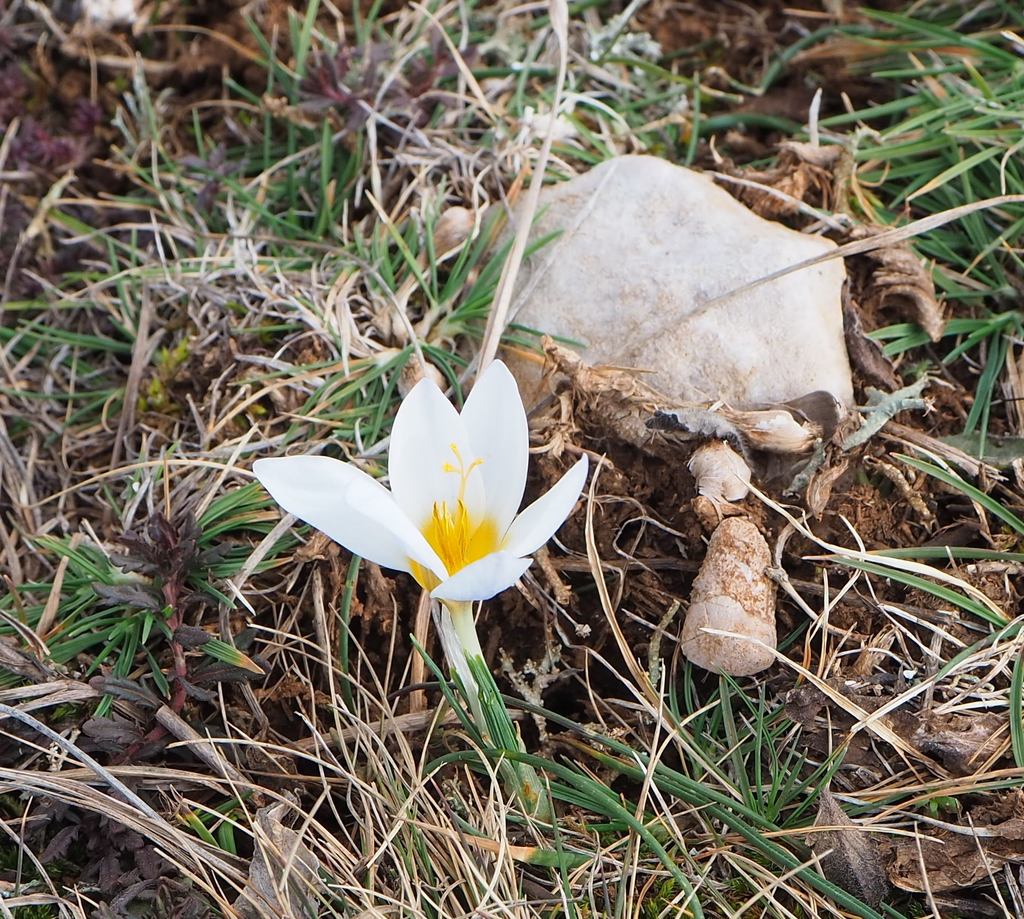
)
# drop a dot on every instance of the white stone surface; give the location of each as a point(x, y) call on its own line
point(108, 13)
point(645, 245)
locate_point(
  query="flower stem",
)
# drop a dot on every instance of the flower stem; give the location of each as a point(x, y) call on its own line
point(466, 658)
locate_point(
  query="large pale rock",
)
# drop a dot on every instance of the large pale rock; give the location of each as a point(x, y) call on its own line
point(644, 246)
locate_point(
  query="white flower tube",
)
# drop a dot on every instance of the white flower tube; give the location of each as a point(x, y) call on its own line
point(457, 481)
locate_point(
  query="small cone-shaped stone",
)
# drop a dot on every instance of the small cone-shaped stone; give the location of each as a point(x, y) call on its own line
point(732, 593)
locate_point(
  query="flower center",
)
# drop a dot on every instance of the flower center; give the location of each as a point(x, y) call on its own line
point(452, 533)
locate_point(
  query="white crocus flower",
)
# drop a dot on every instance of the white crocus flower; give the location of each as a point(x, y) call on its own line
point(457, 481)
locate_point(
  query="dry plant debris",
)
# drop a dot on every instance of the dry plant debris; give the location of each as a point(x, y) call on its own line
point(804, 177)
point(900, 279)
point(721, 476)
point(961, 855)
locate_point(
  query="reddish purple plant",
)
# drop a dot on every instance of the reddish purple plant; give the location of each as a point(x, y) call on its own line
point(359, 81)
point(13, 90)
point(37, 146)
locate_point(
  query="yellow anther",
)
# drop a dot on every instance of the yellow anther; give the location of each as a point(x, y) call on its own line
point(457, 539)
point(452, 533)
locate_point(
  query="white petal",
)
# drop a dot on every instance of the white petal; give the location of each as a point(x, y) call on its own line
point(495, 421)
point(377, 506)
point(421, 459)
point(348, 505)
point(483, 579)
point(539, 522)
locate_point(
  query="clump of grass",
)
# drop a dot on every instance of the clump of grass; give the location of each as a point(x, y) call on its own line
point(952, 135)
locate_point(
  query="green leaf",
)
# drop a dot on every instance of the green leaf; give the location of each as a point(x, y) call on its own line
point(229, 654)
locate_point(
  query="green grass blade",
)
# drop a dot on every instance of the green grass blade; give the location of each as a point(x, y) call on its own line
point(975, 494)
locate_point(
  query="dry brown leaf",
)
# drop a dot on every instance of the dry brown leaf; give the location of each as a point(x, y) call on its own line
point(284, 880)
point(956, 860)
point(961, 743)
point(22, 663)
point(827, 724)
point(819, 489)
point(848, 854)
point(866, 355)
point(900, 278)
